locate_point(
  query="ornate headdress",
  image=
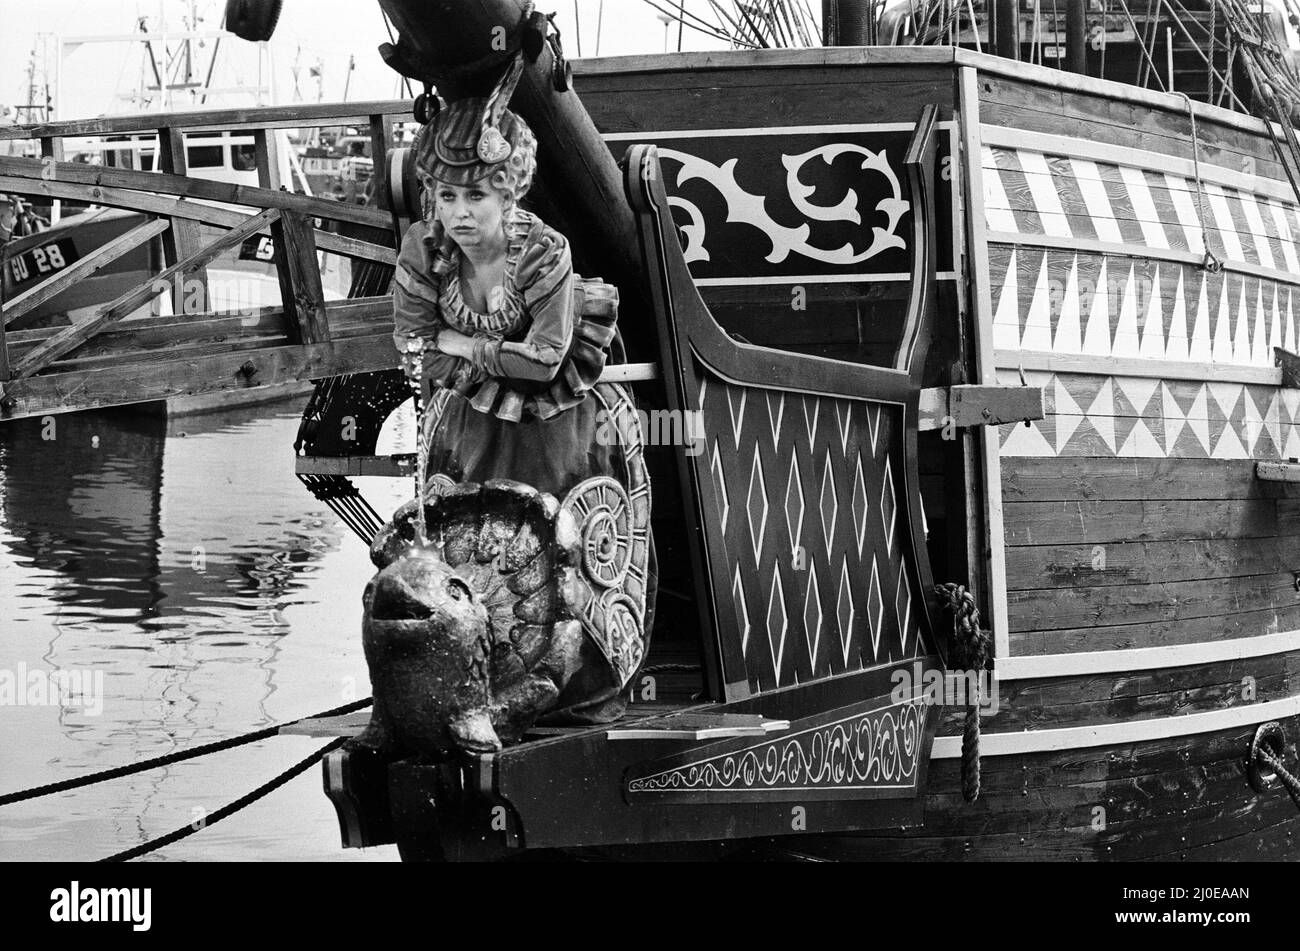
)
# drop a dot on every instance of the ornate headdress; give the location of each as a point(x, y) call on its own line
point(470, 139)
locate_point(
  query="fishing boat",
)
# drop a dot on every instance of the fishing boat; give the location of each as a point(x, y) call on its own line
point(989, 314)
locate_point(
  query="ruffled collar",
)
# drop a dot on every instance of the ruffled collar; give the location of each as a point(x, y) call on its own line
point(504, 397)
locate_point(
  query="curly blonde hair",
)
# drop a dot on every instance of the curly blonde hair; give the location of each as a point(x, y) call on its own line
point(515, 175)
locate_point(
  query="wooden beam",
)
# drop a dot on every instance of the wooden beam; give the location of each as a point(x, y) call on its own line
point(155, 379)
point(191, 210)
point(266, 147)
point(83, 268)
point(162, 183)
point(74, 336)
point(1042, 360)
point(978, 405)
point(1277, 471)
point(266, 117)
point(300, 284)
point(146, 337)
point(184, 239)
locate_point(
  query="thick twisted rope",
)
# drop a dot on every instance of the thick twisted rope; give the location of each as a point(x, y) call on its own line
point(168, 759)
point(971, 650)
point(1274, 762)
point(184, 831)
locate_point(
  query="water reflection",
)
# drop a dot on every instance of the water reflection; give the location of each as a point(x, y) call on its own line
point(184, 560)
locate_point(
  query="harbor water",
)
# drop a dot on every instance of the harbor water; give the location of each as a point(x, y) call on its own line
point(181, 573)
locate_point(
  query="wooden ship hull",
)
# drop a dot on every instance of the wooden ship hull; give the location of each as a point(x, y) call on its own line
point(1139, 542)
point(941, 316)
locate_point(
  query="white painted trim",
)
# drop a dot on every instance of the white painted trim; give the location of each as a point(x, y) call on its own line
point(629, 372)
point(1136, 366)
point(1143, 251)
point(986, 365)
point(1114, 734)
point(1009, 138)
point(1146, 658)
point(813, 279)
point(770, 130)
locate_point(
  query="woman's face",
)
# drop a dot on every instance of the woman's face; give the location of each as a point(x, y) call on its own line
point(471, 214)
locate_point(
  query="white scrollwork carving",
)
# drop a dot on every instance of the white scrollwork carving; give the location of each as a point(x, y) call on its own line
point(879, 748)
point(747, 208)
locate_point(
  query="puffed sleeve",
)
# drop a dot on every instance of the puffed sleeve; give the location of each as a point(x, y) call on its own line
point(415, 304)
point(544, 275)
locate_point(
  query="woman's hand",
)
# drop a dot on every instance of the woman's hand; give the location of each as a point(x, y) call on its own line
point(455, 344)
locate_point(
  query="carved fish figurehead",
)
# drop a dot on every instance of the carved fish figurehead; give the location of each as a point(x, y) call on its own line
point(426, 638)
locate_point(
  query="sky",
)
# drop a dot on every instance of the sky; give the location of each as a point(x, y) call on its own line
point(100, 78)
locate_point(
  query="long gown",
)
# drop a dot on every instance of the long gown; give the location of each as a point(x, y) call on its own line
point(520, 409)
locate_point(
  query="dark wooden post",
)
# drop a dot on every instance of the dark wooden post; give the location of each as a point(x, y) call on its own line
point(1006, 26)
point(51, 148)
point(299, 272)
point(267, 151)
point(1076, 36)
point(183, 238)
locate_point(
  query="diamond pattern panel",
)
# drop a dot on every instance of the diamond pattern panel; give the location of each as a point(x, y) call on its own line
point(829, 594)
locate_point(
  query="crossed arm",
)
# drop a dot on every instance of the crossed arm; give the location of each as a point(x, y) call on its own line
point(545, 276)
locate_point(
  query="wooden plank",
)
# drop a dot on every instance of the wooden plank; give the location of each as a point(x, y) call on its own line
point(1244, 625)
point(1175, 255)
point(1071, 478)
point(1048, 567)
point(1036, 703)
point(266, 117)
point(1075, 146)
point(97, 176)
point(1042, 609)
point(1137, 366)
point(157, 379)
point(299, 274)
point(1225, 139)
point(77, 334)
point(82, 268)
point(1086, 521)
point(192, 210)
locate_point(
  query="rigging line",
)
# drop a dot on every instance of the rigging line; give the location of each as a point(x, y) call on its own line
point(707, 29)
point(974, 25)
point(744, 12)
point(393, 39)
point(1142, 46)
point(1144, 73)
point(1179, 22)
point(577, 28)
point(688, 16)
point(600, 22)
point(733, 34)
point(1210, 260)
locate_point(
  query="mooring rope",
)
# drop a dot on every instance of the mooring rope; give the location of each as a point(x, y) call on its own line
point(227, 810)
point(120, 771)
point(971, 651)
point(1274, 762)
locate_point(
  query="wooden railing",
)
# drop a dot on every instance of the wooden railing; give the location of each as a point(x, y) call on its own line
point(101, 360)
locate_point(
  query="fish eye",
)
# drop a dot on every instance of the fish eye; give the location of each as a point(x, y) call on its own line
point(458, 589)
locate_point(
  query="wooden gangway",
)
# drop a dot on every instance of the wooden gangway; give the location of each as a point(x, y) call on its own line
point(108, 357)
